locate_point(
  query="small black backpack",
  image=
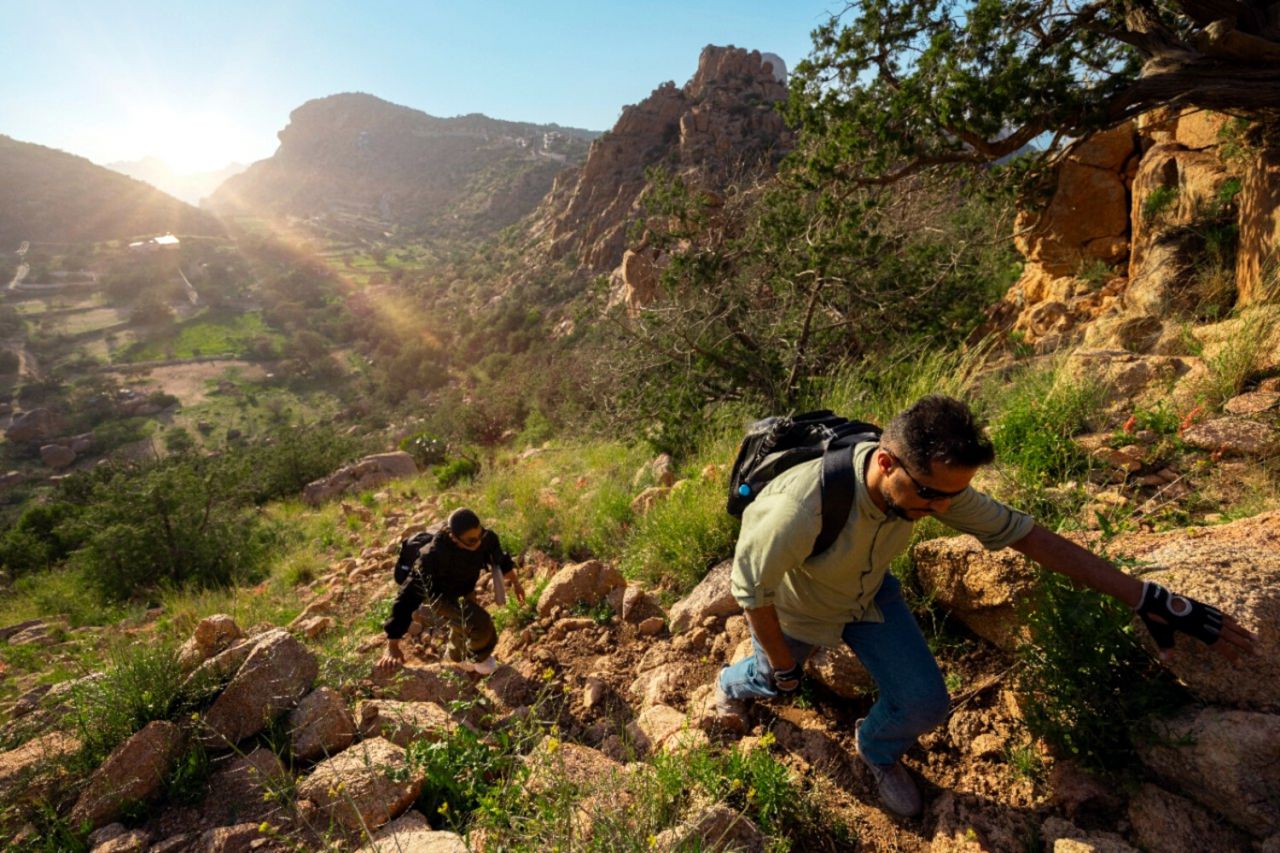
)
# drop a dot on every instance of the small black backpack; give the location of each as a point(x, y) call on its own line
point(410, 550)
point(774, 444)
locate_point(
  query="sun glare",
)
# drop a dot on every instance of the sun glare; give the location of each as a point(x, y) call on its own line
point(189, 142)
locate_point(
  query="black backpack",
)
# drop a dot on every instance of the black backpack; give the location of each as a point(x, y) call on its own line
point(773, 445)
point(410, 550)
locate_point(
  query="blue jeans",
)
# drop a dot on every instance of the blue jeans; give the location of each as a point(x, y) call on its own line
point(913, 698)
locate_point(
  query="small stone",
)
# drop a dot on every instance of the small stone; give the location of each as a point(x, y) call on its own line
point(649, 627)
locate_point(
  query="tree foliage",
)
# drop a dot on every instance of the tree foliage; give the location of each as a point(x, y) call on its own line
point(894, 87)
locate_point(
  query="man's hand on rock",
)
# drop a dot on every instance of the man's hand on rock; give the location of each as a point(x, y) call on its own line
point(1165, 613)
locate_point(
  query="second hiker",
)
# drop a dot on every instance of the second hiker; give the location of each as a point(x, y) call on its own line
point(445, 582)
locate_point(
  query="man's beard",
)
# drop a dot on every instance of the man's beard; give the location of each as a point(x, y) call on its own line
point(896, 510)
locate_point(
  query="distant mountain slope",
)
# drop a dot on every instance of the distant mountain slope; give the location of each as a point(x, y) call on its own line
point(51, 196)
point(191, 188)
point(354, 162)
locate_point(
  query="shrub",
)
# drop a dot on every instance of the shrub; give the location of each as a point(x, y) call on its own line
point(177, 521)
point(1090, 684)
point(143, 682)
point(455, 471)
point(681, 537)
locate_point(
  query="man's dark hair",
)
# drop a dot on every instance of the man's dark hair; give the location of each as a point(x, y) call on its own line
point(938, 429)
point(461, 520)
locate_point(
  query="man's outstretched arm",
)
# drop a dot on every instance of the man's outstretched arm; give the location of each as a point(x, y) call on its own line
point(1086, 568)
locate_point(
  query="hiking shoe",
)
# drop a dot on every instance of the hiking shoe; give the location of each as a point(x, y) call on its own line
point(728, 713)
point(898, 791)
point(484, 667)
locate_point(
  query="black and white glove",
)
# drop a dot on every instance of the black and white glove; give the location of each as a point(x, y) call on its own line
point(787, 681)
point(1179, 613)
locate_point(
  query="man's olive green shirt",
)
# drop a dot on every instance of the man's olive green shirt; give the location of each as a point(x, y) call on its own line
point(816, 596)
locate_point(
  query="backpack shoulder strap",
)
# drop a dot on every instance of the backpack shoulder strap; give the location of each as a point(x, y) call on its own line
point(838, 485)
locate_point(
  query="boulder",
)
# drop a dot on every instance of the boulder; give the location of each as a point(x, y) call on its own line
point(411, 833)
point(637, 279)
point(714, 828)
point(711, 597)
point(981, 588)
point(321, 725)
point(839, 670)
point(17, 628)
point(579, 583)
point(1253, 403)
point(1128, 377)
point(1233, 436)
point(133, 773)
point(663, 728)
point(132, 841)
point(554, 762)
point(223, 665)
point(649, 498)
point(368, 473)
point(1259, 205)
point(663, 684)
point(56, 456)
point(245, 788)
point(33, 768)
point(213, 634)
point(1163, 822)
point(435, 682)
point(1191, 180)
point(1235, 567)
point(1226, 760)
point(403, 722)
point(1061, 836)
point(638, 605)
point(1090, 202)
point(239, 838)
point(660, 470)
point(364, 787)
point(277, 673)
point(35, 425)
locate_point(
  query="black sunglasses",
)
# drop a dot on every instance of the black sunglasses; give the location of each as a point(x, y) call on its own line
point(925, 493)
point(471, 541)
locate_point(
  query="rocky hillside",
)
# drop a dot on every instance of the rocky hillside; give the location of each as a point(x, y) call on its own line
point(51, 196)
point(354, 163)
point(602, 694)
point(720, 129)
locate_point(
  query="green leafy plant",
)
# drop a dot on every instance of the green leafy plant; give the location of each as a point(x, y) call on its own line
point(1089, 682)
point(1159, 202)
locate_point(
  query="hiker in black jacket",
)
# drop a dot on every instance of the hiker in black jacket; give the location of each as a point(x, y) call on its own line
point(446, 580)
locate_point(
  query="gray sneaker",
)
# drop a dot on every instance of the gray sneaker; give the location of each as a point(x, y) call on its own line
point(898, 791)
point(728, 713)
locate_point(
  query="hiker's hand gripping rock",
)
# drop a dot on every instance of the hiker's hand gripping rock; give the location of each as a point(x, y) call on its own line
point(1165, 613)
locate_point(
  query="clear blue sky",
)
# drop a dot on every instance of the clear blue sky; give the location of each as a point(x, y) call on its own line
point(202, 84)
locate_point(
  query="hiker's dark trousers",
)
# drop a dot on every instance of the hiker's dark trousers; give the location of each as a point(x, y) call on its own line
point(471, 633)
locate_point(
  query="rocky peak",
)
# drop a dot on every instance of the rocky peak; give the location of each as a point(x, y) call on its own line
point(721, 124)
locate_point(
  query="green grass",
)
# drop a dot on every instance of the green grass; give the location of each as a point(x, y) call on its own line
point(205, 335)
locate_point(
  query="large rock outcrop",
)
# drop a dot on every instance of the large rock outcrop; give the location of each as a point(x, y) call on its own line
point(1136, 238)
point(722, 120)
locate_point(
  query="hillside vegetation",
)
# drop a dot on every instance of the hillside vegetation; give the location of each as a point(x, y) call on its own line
point(188, 645)
point(51, 196)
